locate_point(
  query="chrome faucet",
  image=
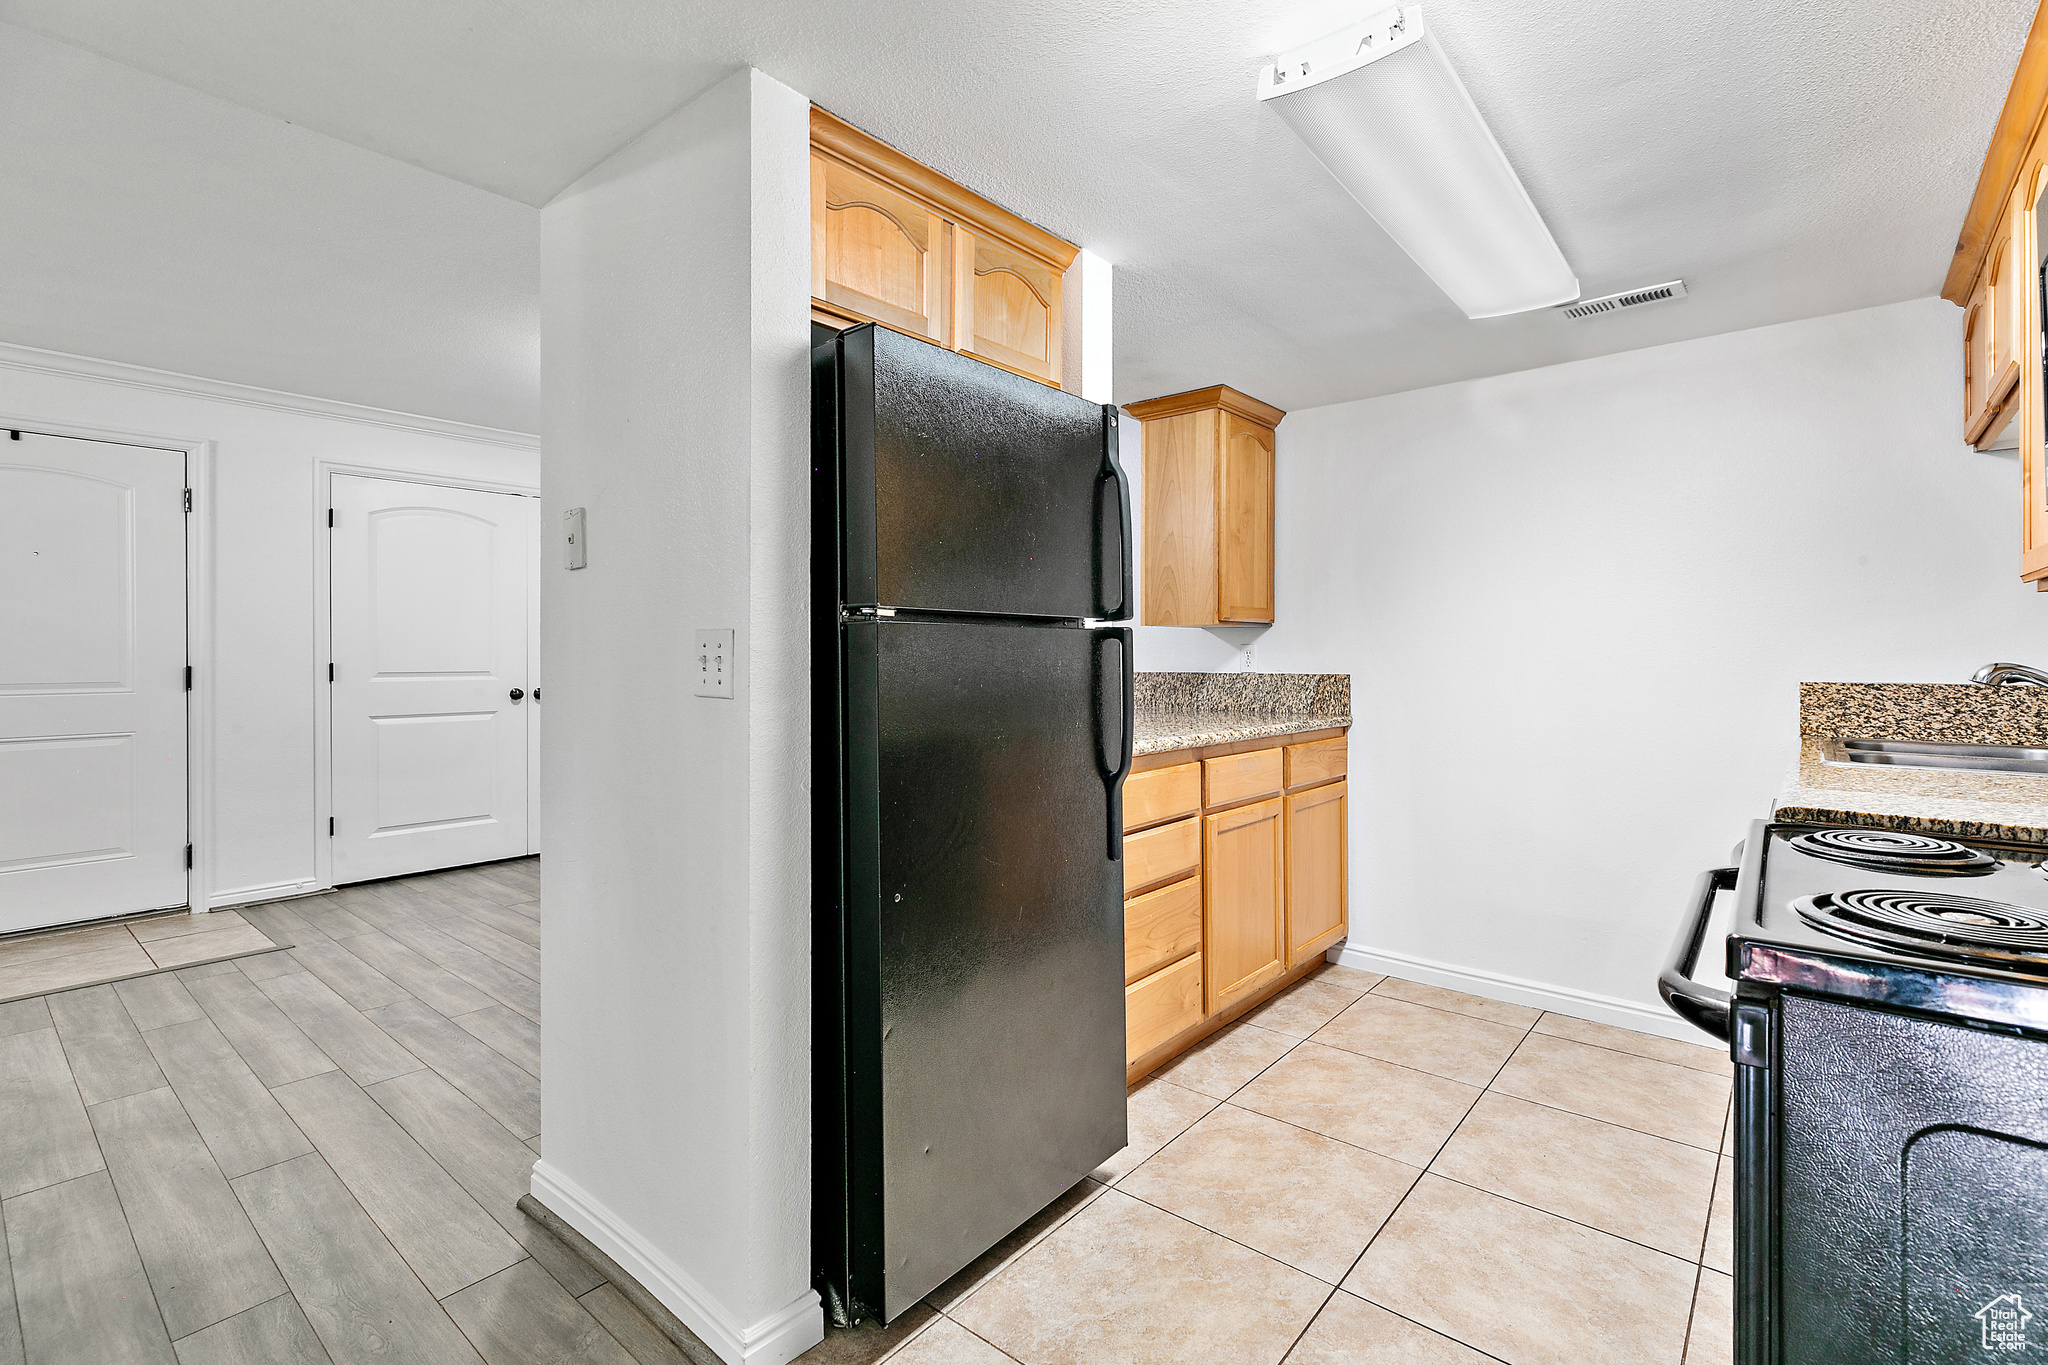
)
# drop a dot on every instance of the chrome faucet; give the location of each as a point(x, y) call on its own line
point(2004, 675)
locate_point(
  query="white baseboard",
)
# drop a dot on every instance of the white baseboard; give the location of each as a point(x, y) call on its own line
point(269, 891)
point(1600, 1009)
point(780, 1337)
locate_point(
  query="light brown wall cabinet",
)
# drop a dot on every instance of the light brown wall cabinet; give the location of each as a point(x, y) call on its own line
point(895, 242)
point(1234, 870)
point(1995, 276)
point(1208, 519)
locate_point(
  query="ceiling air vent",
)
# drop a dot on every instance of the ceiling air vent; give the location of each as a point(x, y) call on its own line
point(1634, 298)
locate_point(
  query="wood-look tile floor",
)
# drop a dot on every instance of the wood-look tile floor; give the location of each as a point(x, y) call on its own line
point(1370, 1171)
point(304, 1156)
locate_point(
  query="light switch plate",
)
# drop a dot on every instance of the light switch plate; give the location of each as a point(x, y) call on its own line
point(574, 555)
point(714, 663)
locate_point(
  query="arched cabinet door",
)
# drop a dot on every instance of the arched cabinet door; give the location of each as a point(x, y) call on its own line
point(877, 253)
point(1008, 308)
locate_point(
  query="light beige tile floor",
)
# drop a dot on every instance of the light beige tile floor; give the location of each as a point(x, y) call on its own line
point(1370, 1171)
point(66, 959)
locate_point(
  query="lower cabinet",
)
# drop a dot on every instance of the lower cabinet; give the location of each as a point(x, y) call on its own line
point(1234, 881)
point(1316, 868)
point(1244, 914)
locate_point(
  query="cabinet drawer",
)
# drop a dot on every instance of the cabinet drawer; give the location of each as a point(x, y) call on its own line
point(1162, 1005)
point(1161, 926)
point(1316, 762)
point(1162, 794)
point(1240, 777)
point(1162, 855)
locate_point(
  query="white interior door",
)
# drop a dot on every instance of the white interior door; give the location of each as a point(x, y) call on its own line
point(92, 680)
point(429, 590)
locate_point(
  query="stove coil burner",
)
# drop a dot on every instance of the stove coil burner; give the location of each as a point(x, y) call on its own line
point(1933, 924)
point(1891, 850)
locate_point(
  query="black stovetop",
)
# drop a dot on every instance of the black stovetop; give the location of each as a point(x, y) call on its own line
point(1955, 927)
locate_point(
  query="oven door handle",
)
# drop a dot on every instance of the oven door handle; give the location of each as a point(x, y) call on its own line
point(1701, 1006)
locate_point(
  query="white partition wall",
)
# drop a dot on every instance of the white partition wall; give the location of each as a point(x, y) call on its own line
point(676, 985)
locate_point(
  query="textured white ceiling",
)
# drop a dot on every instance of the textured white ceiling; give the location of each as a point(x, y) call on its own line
point(1787, 160)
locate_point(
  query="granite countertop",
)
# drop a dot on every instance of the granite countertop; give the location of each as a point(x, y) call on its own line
point(1195, 710)
point(1960, 805)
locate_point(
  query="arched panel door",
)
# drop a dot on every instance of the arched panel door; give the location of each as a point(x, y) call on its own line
point(431, 691)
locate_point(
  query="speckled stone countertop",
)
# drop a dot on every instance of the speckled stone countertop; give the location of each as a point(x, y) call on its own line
point(1949, 804)
point(1194, 710)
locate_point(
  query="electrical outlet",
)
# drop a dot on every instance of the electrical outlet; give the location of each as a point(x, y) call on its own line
point(1245, 662)
point(714, 663)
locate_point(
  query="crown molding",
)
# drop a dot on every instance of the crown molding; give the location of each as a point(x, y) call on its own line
point(1203, 400)
point(35, 360)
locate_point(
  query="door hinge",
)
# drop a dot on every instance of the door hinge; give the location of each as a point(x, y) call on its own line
point(330, 827)
point(330, 672)
point(330, 518)
point(188, 677)
point(188, 500)
point(188, 857)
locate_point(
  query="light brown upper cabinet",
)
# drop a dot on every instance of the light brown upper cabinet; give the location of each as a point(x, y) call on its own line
point(1995, 277)
point(1208, 522)
point(895, 242)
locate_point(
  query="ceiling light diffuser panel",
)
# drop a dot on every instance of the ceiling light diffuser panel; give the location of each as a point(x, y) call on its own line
point(1381, 108)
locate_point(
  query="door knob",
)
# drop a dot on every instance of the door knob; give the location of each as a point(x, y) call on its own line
point(518, 692)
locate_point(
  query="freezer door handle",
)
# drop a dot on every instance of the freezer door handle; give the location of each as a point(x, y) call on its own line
point(1115, 725)
point(1112, 529)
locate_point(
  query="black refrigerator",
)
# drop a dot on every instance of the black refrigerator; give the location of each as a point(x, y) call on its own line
point(972, 733)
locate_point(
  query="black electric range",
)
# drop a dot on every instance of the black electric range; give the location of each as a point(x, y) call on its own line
point(1890, 1028)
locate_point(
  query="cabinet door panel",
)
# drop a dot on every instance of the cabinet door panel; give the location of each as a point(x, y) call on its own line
point(1162, 794)
point(1180, 520)
point(1164, 854)
point(1162, 926)
point(1316, 864)
point(875, 252)
point(1244, 545)
point(1244, 920)
point(1008, 305)
point(2030, 230)
point(1162, 1005)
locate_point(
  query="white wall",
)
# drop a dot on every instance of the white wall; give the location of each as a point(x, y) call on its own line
point(263, 516)
point(676, 1058)
point(1576, 603)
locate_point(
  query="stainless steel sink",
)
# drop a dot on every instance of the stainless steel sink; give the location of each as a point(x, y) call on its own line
point(1969, 758)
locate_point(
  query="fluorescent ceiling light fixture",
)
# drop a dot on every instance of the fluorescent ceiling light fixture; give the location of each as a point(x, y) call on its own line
point(1381, 108)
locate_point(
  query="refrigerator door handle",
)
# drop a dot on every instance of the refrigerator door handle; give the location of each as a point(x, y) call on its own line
point(1114, 747)
point(1112, 520)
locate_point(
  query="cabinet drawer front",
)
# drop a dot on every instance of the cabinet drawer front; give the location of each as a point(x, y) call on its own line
point(1317, 762)
point(1162, 855)
point(1240, 777)
point(1316, 881)
point(1162, 794)
point(1162, 1005)
point(1161, 926)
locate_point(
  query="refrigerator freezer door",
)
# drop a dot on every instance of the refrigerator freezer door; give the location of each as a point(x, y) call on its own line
point(971, 489)
point(985, 1011)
